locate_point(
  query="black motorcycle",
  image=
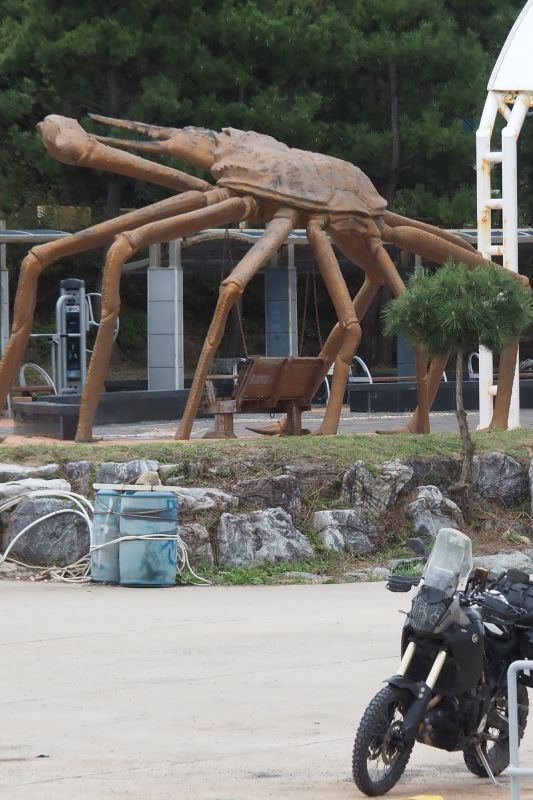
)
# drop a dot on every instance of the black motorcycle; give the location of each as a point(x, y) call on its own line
point(463, 631)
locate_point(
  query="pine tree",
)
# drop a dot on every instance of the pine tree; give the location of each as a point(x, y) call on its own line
point(455, 310)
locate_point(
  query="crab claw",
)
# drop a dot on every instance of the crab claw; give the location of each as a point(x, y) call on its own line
point(133, 144)
point(64, 138)
point(195, 146)
point(154, 131)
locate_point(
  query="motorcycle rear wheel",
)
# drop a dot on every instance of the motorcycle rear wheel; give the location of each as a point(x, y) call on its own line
point(380, 752)
point(496, 751)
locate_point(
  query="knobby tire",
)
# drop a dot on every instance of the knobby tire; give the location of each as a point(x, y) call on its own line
point(377, 724)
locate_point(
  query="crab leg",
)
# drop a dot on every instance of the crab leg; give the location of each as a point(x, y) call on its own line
point(397, 287)
point(124, 246)
point(432, 248)
point(358, 252)
point(42, 255)
point(426, 244)
point(231, 289)
point(350, 328)
point(396, 220)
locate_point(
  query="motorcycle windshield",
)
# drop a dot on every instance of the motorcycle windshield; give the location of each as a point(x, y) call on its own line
point(450, 562)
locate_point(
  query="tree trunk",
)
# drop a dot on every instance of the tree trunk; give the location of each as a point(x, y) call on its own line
point(395, 132)
point(464, 487)
point(114, 182)
point(422, 389)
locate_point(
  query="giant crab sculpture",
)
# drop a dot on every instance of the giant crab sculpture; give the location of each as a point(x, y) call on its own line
point(259, 180)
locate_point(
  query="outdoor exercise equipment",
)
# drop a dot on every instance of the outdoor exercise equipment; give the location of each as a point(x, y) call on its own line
point(74, 318)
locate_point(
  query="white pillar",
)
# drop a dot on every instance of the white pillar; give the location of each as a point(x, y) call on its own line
point(484, 161)
point(510, 136)
point(165, 321)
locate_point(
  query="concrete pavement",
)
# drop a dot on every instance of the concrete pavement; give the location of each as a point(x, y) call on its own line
point(349, 423)
point(164, 430)
point(210, 693)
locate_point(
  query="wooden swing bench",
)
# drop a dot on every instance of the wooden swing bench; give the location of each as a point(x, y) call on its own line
point(275, 385)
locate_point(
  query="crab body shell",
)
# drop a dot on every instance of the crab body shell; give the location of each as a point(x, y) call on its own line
point(256, 164)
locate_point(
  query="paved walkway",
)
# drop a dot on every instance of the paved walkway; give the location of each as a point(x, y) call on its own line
point(243, 693)
point(349, 423)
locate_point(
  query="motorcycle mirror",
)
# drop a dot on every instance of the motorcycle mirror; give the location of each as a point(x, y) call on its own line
point(401, 583)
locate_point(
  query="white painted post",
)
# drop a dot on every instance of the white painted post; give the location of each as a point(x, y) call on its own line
point(165, 320)
point(174, 262)
point(510, 136)
point(484, 241)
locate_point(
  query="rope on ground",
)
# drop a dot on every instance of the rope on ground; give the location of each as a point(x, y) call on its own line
point(80, 571)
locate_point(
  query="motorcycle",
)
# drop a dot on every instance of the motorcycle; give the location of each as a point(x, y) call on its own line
point(465, 627)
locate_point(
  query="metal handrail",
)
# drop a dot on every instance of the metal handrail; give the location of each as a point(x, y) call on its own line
point(355, 378)
point(473, 376)
point(514, 770)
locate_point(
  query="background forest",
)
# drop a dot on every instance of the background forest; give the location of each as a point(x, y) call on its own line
point(395, 86)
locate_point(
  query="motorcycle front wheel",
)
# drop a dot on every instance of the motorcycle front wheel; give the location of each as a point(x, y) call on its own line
point(496, 745)
point(380, 752)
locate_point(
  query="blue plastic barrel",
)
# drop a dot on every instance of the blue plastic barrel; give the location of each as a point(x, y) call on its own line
point(148, 562)
point(104, 561)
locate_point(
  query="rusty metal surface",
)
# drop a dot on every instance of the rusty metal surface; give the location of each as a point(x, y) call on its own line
point(261, 181)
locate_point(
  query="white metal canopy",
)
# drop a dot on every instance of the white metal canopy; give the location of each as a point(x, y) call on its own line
point(513, 71)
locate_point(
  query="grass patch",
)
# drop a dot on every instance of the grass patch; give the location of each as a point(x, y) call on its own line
point(265, 574)
point(411, 569)
point(268, 456)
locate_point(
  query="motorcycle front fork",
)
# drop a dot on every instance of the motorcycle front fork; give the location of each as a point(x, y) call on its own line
point(423, 701)
point(422, 690)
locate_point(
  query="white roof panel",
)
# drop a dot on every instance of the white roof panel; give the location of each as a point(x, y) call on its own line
point(513, 70)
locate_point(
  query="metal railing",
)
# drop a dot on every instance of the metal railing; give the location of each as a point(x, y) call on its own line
point(514, 770)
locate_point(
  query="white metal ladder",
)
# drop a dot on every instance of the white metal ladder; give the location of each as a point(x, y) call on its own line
point(510, 93)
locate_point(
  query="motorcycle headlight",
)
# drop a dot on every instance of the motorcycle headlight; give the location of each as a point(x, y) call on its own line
point(424, 616)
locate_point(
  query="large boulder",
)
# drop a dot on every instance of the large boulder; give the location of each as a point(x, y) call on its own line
point(322, 478)
point(193, 499)
point(198, 543)
point(17, 472)
point(430, 511)
point(345, 530)
point(81, 476)
point(128, 472)
point(173, 474)
point(500, 478)
point(62, 539)
point(514, 559)
point(373, 493)
point(440, 472)
point(277, 491)
point(13, 488)
point(262, 537)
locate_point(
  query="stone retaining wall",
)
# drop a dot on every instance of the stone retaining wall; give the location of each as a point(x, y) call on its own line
point(277, 519)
